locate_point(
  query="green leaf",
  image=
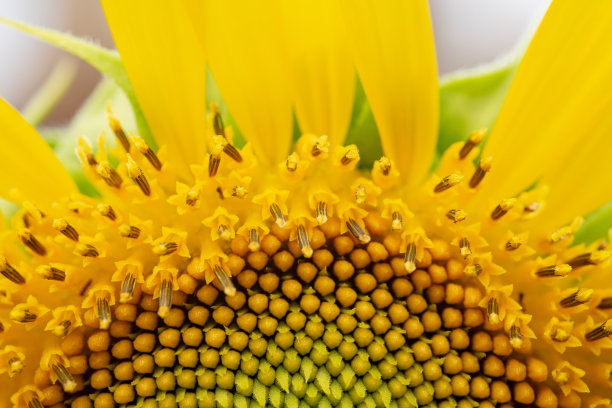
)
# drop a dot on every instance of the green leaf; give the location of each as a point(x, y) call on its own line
point(595, 226)
point(104, 60)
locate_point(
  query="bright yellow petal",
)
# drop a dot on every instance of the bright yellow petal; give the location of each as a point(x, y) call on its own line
point(28, 168)
point(393, 47)
point(558, 100)
point(164, 59)
point(244, 45)
point(322, 73)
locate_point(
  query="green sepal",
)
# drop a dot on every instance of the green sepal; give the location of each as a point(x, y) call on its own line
point(595, 226)
point(104, 60)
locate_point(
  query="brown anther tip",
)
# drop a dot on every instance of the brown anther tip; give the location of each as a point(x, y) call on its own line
point(448, 182)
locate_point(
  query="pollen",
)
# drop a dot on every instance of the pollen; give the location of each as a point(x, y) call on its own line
point(307, 283)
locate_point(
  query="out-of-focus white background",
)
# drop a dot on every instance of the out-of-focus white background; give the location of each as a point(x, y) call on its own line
point(467, 32)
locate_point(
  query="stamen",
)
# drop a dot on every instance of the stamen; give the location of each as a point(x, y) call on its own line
point(51, 273)
point(605, 303)
point(35, 403)
point(502, 208)
point(239, 192)
point(456, 215)
point(224, 280)
point(384, 164)
point(31, 242)
point(87, 250)
point(165, 298)
point(127, 288)
point(22, 315)
point(254, 243)
point(224, 232)
point(109, 175)
point(232, 152)
point(560, 335)
point(103, 312)
point(107, 211)
point(320, 146)
point(464, 247)
point(165, 248)
point(358, 232)
point(448, 182)
point(493, 311)
point(554, 270)
point(577, 298)
point(62, 374)
point(129, 231)
point(61, 330)
point(15, 366)
point(278, 216)
point(291, 163)
point(217, 120)
point(192, 196)
point(213, 164)
point(146, 151)
point(361, 194)
point(350, 155)
point(304, 242)
point(321, 212)
point(61, 225)
point(397, 221)
point(473, 270)
point(137, 176)
point(474, 139)
point(117, 130)
point(410, 257)
point(601, 331)
point(483, 168)
point(591, 258)
point(514, 243)
point(533, 207)
point(516, 337)
point(9, 272)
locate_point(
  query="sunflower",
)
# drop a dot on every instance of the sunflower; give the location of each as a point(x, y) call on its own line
point(210, 272)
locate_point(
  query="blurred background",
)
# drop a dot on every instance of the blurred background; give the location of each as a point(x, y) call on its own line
point(468, 33)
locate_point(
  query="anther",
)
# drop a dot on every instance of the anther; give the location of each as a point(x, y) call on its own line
point(192, 196)
point(165, 298)
point(232, 152)
point(224, 280)
point(239, 192)
point(350, 155)
point(103, 311)
point(31, 242)
point(601, 331)
point(137, 176)
point(384, 164)
point(474, 139)
point(278, 216)
point(129, 231)
point(106, 211)
point(22, 315)
point(224, 232)
point(62, 373)
point(502, 208)
point(304, 242)
point(291, 163)
point(128, 287)
point(456, 215)
point(321, 213)
point(554, 270)
point(61, 330)
point(117, 130)
point(320, 146)
point(473, 270)
point(605, 303)
point(483, 168)
point(410, 257)
point(147, 152)
point(591, 258)
point(254, 243)
point(213, 164)
point(61, 225)
point(516, 337)
point(34, 402)
point(87, 250)
point(464, 247)
point(109, 175)
point(9, 272)
point(448, 182)
point(358, 232)
point(165, 248)
point(361, 194)
point(15, 366)
point(533, 207)
point(514, 243)
point(51, 273)
point(397, 221)
point(560, 335)
point(493, 311)
point(577, 298)
point(217, 120)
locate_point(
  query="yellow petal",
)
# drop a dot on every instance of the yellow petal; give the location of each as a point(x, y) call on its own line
point(249, 63)
point(558, 100)
point(164, 60)
point(322, 73)
point(28, 167)
point(393, 48)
